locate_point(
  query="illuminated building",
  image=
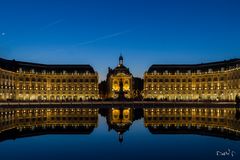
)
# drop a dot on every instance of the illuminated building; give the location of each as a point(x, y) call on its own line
point(32, 81)
point(219, 81)
point(23, 81)
point(115, 77)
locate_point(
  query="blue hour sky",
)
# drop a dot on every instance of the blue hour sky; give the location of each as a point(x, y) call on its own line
point(96, 32)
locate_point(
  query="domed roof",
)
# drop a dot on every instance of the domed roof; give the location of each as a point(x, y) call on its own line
point(120, 68)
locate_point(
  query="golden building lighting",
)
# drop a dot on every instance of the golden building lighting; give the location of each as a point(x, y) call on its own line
point(23, 81)
point(120, 120)
point(217, 81)
point(115, 77)
point(32, 81)
point(48, 120)
point(201, 120)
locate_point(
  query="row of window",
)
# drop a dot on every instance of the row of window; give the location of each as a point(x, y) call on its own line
point(57, 88)
point(63, 72)
point(180, 92)
point(59, 80)
point(4, 76)
point(80, 92)
point(186, 118)
point(184, 111)
point(198, 71)
point(184, 80)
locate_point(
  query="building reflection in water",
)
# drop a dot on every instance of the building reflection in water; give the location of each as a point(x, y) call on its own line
point(16, 123)
point(220, 122)
point(120, 119)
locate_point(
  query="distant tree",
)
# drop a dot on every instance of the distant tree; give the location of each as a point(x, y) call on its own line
point(103, 89)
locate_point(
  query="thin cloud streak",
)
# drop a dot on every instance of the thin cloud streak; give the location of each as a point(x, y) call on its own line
point(102, 38)
point(49, 25)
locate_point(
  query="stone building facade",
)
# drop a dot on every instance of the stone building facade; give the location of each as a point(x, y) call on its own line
point(217, 81)
point(32, 81)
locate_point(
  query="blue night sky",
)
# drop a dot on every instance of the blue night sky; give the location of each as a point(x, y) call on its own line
point(96, 32)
